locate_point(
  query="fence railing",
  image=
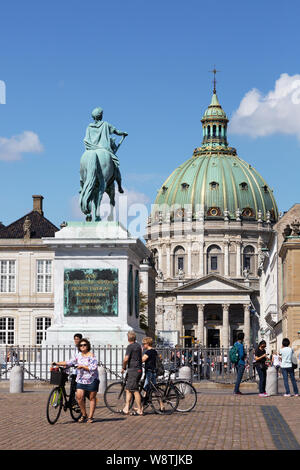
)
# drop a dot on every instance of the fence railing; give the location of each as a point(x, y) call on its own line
point(212, 364)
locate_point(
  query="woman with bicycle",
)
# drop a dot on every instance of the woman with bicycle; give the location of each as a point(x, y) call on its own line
point(149, 358)
point(87, 378)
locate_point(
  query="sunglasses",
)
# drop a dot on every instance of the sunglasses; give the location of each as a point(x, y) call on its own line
point(83, 344)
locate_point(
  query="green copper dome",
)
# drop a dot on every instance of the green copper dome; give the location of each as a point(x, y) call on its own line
point(215, 180)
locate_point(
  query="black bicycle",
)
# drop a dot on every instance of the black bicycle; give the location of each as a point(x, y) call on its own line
point(59, 399)
point(187, 394)
point(162, 398)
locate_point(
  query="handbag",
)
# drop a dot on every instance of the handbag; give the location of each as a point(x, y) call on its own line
point(294, 362)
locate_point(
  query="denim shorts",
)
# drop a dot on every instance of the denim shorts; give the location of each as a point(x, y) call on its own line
point(93, 387)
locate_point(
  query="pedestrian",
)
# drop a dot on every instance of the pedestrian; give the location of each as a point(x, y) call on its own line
point(287, 369)
point(149, 358)
point(240, 366)
point(77, 339)
point(260, 364)
point(87, 378)
point(276, 361)
point(133, 362)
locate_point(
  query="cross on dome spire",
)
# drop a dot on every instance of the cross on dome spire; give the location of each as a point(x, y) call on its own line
point(214, 71)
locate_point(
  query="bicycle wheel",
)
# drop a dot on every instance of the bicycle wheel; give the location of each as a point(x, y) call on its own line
point(187, 396)
point(163, 401)
point(54, 405)
point(115, 397)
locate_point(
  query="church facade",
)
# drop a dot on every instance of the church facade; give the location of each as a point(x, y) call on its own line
point(209, 226)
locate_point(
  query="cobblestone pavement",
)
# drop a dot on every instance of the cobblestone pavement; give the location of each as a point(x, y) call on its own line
point(220, 421)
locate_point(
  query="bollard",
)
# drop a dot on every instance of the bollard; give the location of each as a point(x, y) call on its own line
point(272, 381)
point(103, 379)
point(185, 373)
point(16, 380)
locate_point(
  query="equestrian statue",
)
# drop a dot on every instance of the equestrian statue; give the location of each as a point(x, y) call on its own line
point(99, 166)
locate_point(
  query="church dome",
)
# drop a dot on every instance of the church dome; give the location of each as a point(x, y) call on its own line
point(215, 180)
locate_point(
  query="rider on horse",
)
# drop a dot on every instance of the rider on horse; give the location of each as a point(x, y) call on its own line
point(98, 137)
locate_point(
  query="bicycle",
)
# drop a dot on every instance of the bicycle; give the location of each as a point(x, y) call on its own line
point(163, 398)
point(59, 399)
point(186, 392)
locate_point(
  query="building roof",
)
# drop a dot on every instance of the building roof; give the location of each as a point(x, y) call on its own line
point(39, 227)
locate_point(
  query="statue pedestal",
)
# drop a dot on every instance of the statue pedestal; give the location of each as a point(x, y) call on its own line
point(96, 283)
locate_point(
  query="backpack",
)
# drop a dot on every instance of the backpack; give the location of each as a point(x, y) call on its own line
point(160, 370)
point(234, 354)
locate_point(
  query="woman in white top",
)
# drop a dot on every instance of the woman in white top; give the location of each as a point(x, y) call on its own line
point(286, 354)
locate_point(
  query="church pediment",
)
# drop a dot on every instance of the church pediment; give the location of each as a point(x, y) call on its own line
point(213, 283)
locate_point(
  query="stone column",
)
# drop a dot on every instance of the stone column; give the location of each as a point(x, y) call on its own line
point(179, 321)
point(168, 261)
point(201, 267)
point(225, 328)
point(200, 334)
point(238, 258)
point(226, 257)
point(189, 260)
point(247, 324)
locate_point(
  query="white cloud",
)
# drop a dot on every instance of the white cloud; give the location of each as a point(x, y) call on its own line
point(14, 147)
point(276, 112)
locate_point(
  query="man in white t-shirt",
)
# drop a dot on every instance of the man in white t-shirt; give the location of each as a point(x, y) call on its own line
point(286, 354)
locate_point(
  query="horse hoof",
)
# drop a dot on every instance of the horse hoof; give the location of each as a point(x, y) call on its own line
point(97, 219)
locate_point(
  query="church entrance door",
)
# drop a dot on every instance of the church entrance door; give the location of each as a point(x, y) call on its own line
point(213, 338)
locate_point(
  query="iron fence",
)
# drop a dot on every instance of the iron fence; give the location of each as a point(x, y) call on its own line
point(210, 364)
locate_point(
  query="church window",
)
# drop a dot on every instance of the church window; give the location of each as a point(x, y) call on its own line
point(214, 130)
point(44, 275)
point(214, 185)
point(185, 185)
point(214, 259)
point(265, 188)
point(244, 186)
point(8, 276)
point(247, 212)
point(42, 324)
point(214, 212)
point(7, 330)
point(164, 189)
point(208, 131)
point(249, 258)
point(179, 258)
point(213, 263)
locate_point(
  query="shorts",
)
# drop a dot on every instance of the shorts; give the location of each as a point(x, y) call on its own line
point(133, 379)
point(93, 387)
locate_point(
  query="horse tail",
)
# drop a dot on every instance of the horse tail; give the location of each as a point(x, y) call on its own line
point(90, 182)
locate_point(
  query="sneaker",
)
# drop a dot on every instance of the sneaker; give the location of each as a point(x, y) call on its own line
point(266, 394)
point(296, 395)
point(287, 395)
point(263, 395)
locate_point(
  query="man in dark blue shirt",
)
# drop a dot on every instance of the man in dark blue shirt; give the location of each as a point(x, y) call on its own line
point(240, 367)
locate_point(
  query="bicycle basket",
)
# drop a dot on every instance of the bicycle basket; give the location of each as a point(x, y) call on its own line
point(58, 377)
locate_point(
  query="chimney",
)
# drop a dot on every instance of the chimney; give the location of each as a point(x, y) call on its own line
point(38, 204)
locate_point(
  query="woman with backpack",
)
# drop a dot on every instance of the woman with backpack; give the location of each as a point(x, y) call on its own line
point(260, 364)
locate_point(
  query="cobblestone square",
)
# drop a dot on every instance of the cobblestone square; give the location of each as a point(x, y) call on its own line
point(220, 421)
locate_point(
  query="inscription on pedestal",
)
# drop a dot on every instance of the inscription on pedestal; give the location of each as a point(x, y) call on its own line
point(91, 292)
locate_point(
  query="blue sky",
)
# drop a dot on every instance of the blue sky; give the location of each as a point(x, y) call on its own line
point(147, 65)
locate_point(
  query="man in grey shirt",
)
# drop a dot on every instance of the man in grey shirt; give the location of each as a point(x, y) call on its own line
point(133, 362)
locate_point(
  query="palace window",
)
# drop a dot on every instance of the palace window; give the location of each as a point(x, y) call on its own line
point(213, 263)
point(8, 276)
point(44, 276)
point(42, 324)
point(7, 330)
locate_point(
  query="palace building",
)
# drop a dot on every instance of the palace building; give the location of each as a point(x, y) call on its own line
point(209, 226)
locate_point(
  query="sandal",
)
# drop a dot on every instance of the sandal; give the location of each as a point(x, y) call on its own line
point(82, 419)
point(90, 420)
